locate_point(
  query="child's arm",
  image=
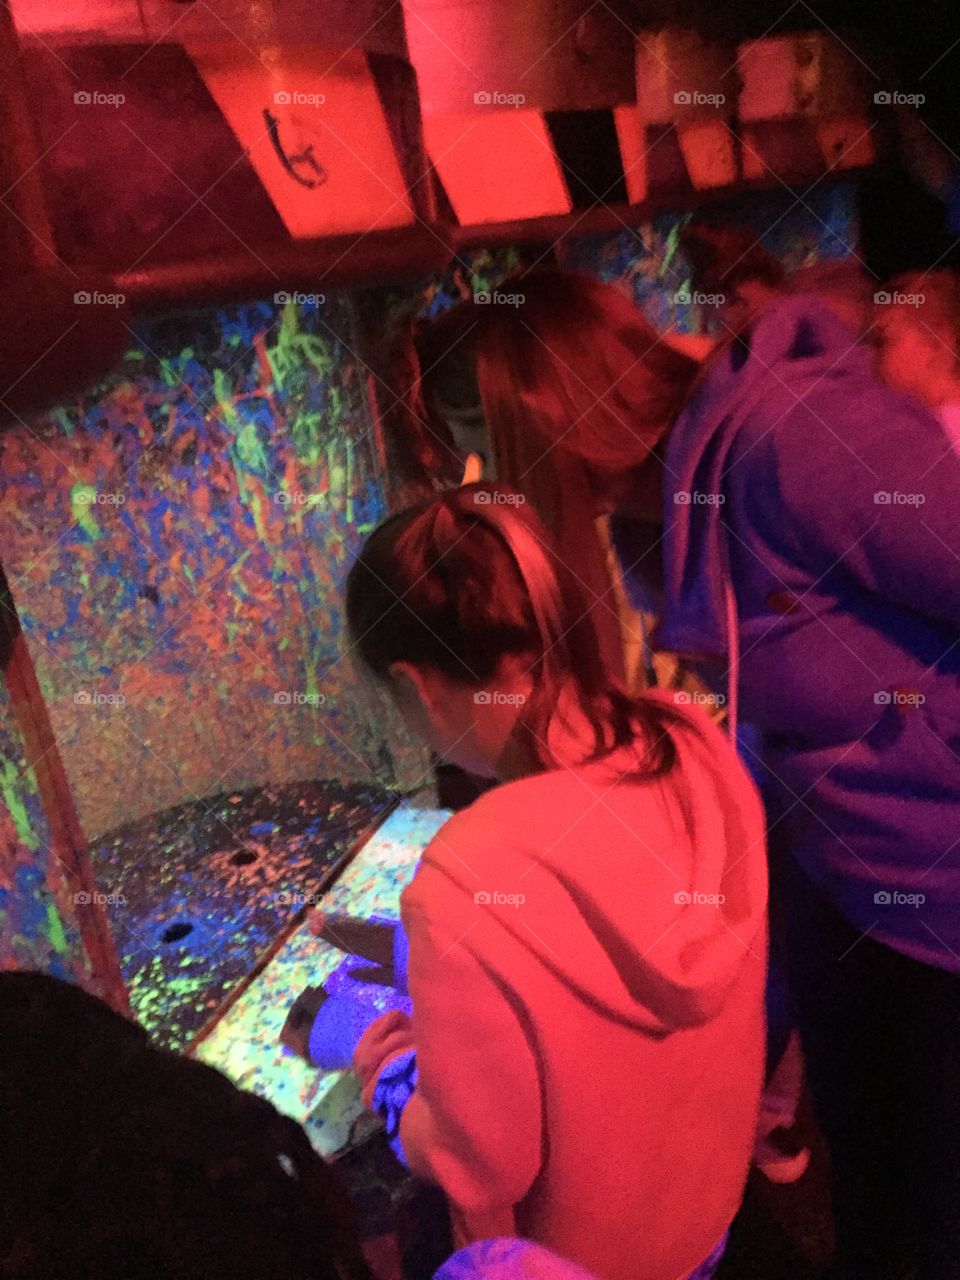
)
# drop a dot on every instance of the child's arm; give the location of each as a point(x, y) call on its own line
point(474, 1123)
point(460, 1080)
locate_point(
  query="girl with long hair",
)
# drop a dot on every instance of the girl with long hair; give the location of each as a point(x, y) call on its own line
point(481, 380)
point(587, 941)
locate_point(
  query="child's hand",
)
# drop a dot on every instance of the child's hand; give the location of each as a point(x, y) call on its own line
point(367, 938)
point(325, 1028)
point(303, 1013)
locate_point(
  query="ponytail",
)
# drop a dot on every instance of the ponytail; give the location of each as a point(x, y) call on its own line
point(468, 579)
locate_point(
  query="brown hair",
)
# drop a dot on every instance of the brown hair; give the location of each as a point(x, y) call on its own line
point(573, 375)
point(133, 1161)
point(467, 579)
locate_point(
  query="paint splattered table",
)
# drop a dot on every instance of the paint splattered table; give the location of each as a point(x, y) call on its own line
point(199, 895)
point(245, 1043)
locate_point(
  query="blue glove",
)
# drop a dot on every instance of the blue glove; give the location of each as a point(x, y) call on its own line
point(395, 1087)
point(344, 1016)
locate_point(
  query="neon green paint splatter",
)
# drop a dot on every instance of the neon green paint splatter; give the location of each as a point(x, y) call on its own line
point(224, 396)
point(55, 930)
point(349, 481)
point(335, 405)
point(305, 432)
point(671, 249)
point(47, 687)
point(337, 474)
point(10, 783)
point(293, 348)
point(312, 687)
point(250, 450)
point(82, 505)
point(258, 517)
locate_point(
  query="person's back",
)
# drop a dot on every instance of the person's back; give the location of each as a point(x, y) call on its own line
point(587, 969)
point(821, 574)
point(841, 500)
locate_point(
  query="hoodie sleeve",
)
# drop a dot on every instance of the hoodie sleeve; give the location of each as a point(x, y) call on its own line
point(474, 1124)
point(870, 489)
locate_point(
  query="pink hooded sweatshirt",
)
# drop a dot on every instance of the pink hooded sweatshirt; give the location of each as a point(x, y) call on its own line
point(587, 967)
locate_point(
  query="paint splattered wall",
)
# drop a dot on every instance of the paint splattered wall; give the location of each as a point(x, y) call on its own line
point(176, 543)
point(801, 232)
point(37, 925)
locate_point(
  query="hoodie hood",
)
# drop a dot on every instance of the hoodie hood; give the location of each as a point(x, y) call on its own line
point(795, 346)
point(646, 899)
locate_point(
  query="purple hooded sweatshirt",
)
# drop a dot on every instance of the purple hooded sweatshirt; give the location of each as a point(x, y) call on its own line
point(831, 506)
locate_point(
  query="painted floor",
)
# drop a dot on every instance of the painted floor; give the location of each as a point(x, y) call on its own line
point(200, 894)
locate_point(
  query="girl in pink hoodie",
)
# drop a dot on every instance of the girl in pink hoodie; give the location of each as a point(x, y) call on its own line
point(587, 941)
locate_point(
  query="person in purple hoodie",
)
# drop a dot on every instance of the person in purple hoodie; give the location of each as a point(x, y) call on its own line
point(800, 523)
